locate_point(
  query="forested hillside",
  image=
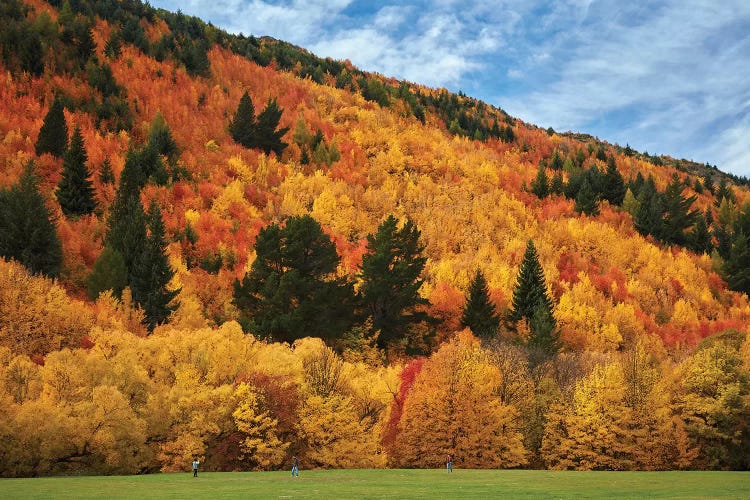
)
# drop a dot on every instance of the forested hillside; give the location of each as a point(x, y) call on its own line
point(225, 247)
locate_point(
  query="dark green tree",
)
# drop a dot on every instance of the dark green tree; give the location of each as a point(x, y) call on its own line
point(151, 273)
point(613, 184)
point(544, 339)
point(530, 291)
point(600, 154)
point(532, 303)
point(53, 136)
point(648, 217)
point(126, 225)
point(678, 217)
point(243, 125)
point(573, 185)
point(27, 231)
point(292, 290)
point(106, 174)
point(161, 140)
point(109, 273)
point(75, 191)
point(636, 184)
point(586, 199)
point(724, 191)
point(556, 161)
point(699, 238)
point(736, 267)
point(540, 185)
point(390, 276)
point(557, 186)
point(268, 138)
point(479, 312)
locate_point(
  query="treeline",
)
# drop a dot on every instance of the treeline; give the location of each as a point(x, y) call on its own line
point(667, 216)
point(123, 404)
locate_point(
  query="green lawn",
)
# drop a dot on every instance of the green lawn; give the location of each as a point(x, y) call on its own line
point(359, 484)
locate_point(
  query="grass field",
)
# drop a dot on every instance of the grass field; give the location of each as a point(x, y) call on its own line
point(361, 484)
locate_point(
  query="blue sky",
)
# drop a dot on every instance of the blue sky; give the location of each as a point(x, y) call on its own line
point(667, 77)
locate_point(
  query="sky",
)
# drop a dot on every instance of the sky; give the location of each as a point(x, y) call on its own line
point(664, 76)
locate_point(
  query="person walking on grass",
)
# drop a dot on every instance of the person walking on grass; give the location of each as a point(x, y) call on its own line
point(295, 466)
point(449, 463)
point(195, 467)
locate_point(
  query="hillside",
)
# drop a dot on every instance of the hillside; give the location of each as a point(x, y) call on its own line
point(639, 278)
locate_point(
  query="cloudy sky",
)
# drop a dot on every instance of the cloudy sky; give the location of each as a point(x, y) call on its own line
point(665, 76)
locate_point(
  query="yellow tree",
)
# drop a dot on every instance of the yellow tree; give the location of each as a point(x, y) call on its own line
point(593, 434)
point(261, 445)
point(330, 428)
point(711, 396)
point(453, 409)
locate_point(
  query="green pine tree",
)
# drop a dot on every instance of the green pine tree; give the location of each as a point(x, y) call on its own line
point(648, 218)
point(724, 191)
point(556, 161)
point(75, 191)
point(109, 273)
point(390, 276)
point(557, 186)
point(479, 312)
point(267, 136)
point(613, 184)
point(530, 291)
point(544, 340)
point(151, 273)
point(540, 185)
point(292, 289)
point(160, 139)
point(736, 268)
point(678, 216)
point(27, 230)
point(532, 303)
point(53, 136)
point(106, 174)
point(700, 237)
point(126, 225)
point(243, 125)
point(586, 200)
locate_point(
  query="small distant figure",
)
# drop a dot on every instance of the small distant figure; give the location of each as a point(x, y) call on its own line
point(195, 467)
point(295, 466)
point(449, 463)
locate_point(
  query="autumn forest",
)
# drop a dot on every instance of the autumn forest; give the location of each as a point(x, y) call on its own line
point(225, 247)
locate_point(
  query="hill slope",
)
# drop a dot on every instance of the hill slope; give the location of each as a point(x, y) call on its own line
point(464, 172)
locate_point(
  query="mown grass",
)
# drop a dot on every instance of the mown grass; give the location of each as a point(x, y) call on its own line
point(365, 484)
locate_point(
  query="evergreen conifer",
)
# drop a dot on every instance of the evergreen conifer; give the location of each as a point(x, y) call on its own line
point(151, 273)
point(532, 303)
point(243, 125)
point(53, 136)
point(75, 191)
point(391, 273)
point(479, 313)
point(586, 201)
point(27, 230)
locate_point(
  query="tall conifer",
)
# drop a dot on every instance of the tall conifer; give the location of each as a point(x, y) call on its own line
point(53, 136)
point(151, 273)
point(75, 192)
point(391, 274)
point(532, 303)
point(27, 230)
point(479, 313)
point(243, 125)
